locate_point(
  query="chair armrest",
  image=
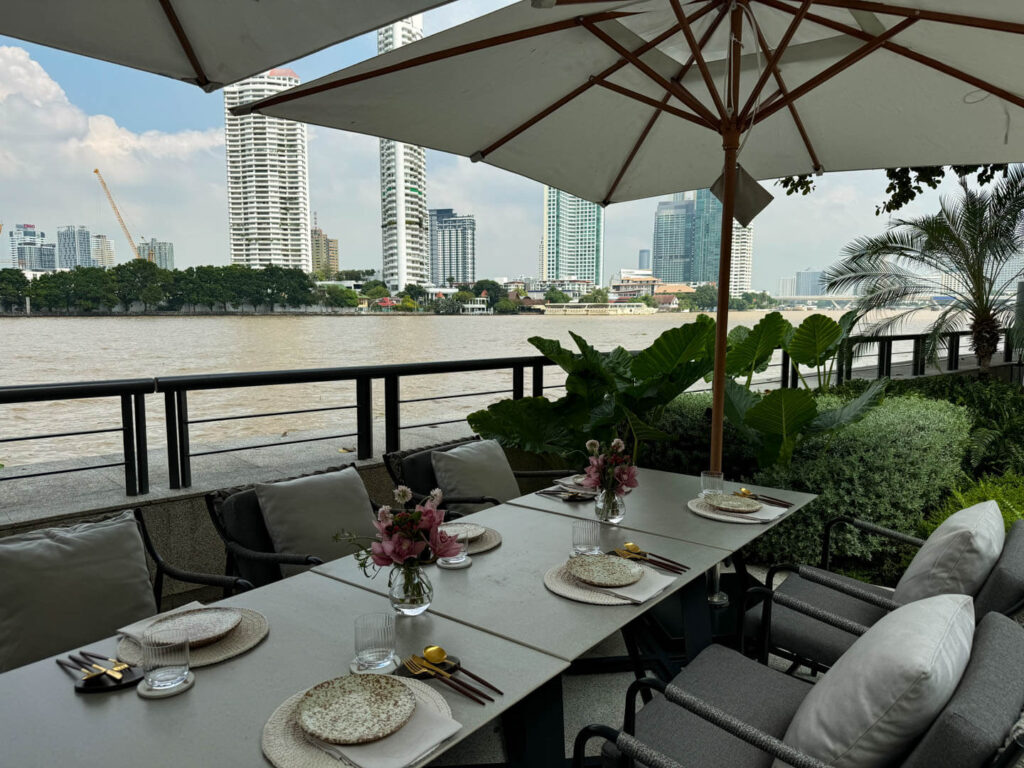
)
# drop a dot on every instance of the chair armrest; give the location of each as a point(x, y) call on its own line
point(832, 582)
point(628, 745)
point(720, 719)
point(270, 557)
point(209, 579)
point(864, 525)
point(770, 597)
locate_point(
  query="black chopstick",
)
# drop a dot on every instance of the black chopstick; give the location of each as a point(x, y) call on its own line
point(452, 684)
point(480, 680)
point(667, 560)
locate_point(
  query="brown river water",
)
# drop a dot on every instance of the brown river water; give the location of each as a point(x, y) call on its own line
point(42, 350)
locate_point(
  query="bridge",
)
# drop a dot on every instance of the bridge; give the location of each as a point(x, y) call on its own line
point(838, 302)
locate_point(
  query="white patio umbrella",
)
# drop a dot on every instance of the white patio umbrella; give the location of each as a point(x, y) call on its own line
point(208, 43)
point(619, 101)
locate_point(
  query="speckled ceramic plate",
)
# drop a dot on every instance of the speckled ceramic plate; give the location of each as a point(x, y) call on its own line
point(204, 625)
point(355, 709)
point(729, 503)
point(471, 531)
point(604, 570)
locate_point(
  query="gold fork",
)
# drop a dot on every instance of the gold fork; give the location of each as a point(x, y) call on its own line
point(416, 668)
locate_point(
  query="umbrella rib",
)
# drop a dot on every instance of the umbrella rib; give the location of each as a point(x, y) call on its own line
point(924, 15)
point(656, 104)
point(428, 58)
point(773, 59)
point(184, 42)
point(908, 53)
point(815, 162)
point(675, 89)
point(777, 101)
point(592, 81)
point(698, 56)
point(664, 101)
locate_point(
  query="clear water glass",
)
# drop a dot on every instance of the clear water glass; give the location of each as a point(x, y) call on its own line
point(586, 537)
point(375, 641)
point(165, 657)
point(711, 483)
point(460, 556)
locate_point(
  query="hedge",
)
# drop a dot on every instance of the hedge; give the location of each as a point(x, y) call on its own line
point(1007, 491)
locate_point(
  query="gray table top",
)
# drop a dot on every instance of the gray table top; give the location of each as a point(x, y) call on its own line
point(503, 591)
point(658, 506)
point(220, 721)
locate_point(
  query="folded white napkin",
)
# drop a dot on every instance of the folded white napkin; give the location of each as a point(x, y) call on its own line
point(767, 512)
point(422, 734)
point(650, 585)
point(136, 630)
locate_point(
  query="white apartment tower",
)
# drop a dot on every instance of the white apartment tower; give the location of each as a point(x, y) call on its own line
point(742, 259)
point(572, 244)
point(268, 179)
point(405, 240)
point(102, 251)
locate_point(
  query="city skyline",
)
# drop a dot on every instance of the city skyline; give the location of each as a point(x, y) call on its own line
point(161, 146)
point(572, 241)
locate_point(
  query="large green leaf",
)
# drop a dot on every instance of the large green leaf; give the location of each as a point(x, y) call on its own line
point(815, 340)
point(739, 400)
point(535, 424)
point(852, 411)
point(555, 352)
point(779, 417)
point(685, 346)
point(753, 353)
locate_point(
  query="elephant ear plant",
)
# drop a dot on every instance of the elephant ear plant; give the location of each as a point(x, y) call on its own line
point(608, 394)
point(776, 422)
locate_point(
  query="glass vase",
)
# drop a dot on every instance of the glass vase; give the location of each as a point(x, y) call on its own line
point(410, 591)
point(609, 507)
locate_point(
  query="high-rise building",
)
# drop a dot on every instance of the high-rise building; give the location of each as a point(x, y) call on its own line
point(268, 179)
point(157, 251)
point(102, 251)
point(787, 286)
point(810, 282)
point(573, 238)
point(644, 259)
point(741, 273)
point(74, 247)
point(672, 252)
point(325, 251)
point(403, 187)
point(28, 249)
point(452, 247)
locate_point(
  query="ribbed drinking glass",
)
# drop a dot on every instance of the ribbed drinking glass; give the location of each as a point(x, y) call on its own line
point(165, 657)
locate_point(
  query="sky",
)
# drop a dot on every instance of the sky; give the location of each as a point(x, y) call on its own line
point(160, 146)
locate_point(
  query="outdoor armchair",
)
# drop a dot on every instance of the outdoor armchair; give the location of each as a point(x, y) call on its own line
point(73, 585)
point(804, 641)
point(727, 710)
point(414, 468)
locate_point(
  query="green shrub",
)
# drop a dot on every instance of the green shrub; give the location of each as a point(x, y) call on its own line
point(1007, 491)
point(889, 468)
point(688, 420)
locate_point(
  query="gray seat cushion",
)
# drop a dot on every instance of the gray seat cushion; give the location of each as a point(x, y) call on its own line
point(62, 588)
point(1003, 591)
point(987, 702)
point(758, 695)
point(810, 638)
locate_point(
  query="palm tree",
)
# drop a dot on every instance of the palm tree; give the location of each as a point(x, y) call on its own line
point(971, 251)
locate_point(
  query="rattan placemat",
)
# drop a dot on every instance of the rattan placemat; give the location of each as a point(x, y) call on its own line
point(247, 635)
point(486, 542)
point(285, 745)
point(561, 582)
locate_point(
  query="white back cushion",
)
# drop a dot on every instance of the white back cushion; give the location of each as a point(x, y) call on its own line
point(62, 588)
point(478, 468)
point(304, 514)
point(888, 688)
point(957, 557)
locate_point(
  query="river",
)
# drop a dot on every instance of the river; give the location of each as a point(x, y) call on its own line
point(47, 349)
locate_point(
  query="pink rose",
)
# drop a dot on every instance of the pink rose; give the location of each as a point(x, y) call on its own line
point(443, 545)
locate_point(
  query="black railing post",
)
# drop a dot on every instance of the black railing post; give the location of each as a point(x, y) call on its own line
point(131, 486)
point(918, 364)
point(840, 367)
point(785, 369)
point(392, 416)
point(849, 361)
point(141, 443)
point(1007, 348)
point(953, 355)
point(171, 427)
point(884, 358)
point(184, 450)
point(364, 417)
point(518, 372)
point(537, 380)
point(794, 376)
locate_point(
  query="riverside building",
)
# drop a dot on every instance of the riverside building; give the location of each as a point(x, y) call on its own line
point(452, 247)
point(74, 247)
point(403, 187)
point(29, 250)
point(572, 245)
point(103, 251)
point(159, 252)
point(268, 179)
point(325, 251)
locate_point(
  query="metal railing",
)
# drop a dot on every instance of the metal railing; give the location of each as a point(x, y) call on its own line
point(176, 389)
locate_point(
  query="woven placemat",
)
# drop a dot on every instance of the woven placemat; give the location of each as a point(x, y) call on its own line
point(485, 542)
point(285, 745)
point(247, 635)
point(561, 582)
point(703, 509)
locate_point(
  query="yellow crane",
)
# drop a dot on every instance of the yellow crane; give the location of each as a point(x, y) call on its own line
point(120, 220)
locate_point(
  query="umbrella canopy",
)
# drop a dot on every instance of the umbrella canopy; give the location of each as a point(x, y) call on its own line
point(616, 101)
point(209, 43)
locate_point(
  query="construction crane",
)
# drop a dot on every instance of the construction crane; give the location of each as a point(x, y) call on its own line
point(117, 213)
